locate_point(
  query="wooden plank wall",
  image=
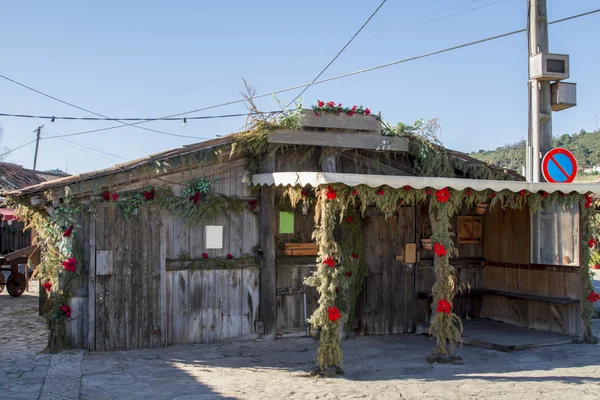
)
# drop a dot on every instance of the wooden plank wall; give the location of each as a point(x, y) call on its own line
point(77, 326)
point(211, 304)
point(387, 301)
point(128, 301)
point(207, 305)
point(12, 237)
point(290, 296)
point(507, 240)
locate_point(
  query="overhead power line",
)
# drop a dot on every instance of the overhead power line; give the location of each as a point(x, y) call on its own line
point(53, 117)
point(338, 54)
point(17, 148)
point(361, 71)
point(89, 111)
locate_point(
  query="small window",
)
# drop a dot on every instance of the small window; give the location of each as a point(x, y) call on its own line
point(469, 229)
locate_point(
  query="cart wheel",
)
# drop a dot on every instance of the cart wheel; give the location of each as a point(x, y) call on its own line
point(2, 281)
point(16, 284)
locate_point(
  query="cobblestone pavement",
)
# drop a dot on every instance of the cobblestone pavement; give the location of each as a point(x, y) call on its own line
point(23, 336)
point(377, 367)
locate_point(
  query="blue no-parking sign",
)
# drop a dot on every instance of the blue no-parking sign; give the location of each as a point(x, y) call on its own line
point(559, 166)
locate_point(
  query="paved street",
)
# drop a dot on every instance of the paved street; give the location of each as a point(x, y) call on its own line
point(377, 367)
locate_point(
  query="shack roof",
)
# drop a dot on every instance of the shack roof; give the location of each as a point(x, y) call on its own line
point(14, 176)
point(190, 149)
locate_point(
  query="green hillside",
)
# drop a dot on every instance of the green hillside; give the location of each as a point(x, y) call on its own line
point(584, 145)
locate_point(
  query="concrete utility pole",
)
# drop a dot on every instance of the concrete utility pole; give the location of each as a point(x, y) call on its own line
point(37, 145)
point(540, 107)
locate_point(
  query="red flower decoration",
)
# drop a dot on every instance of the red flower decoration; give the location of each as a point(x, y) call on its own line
point(331, 104)
point(333, 314)
point(428, 191)
point(348, 273)
point(331, 194)
point(339, 104)
point(444, 306)
point(354, 255)
point(68, 231)
point(229, 256)
point(492, 195)
point(593, 297)
point(70, 264)
point(592, 243)
point(106, 195)
point(329, 262)
point(380, 192)
point(407, 187)
point(349, 219)
point(114, 196)
point(439, 249)
point(66, 309)
point(47, 286)
point(588, 201)
point(522, 193)
point(469, 192)
point(354, 193)
point(351, 113)
point(195, 198)
point(252, 204)
point(544, 195)
point(317, 114)
point(320, 103)
point(149, 195)
point(367, 111)
point(443, 195)
point(304, 192)
point(339, 110)
point(205, 255)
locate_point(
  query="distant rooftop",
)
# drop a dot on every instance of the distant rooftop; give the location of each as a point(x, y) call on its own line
point(14, 176)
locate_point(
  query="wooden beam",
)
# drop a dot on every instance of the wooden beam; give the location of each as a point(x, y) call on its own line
point(339, 139)
point(165, 218)
point(558, 318)
point(268, 273)
point(92, 283)
point(527, 296)
point(534, 267)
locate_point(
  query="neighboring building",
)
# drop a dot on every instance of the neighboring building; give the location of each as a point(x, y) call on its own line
point(591, 170)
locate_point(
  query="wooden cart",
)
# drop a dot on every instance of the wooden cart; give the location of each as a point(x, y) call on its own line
point(17, 282)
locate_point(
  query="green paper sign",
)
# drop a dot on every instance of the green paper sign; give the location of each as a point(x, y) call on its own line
point(286, 222)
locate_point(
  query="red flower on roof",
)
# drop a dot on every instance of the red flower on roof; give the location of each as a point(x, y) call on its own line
point(522, 193)
point(427, 192)
point(492, 195)
point(320, 103)
point(380, 192)
point(439, 249)
point(469, 192)
point(333, 314)
point(47, 285)
point(68, 231)
point(443, 195)
point(407, 187)
point(66, 309)
point(354, 255)
point(70, 264)
point(367, 111)
point(329, 261)
point(149, 195)
point(588, 201)
point(331, 104)
point(592, 243)
point(331, 194)
point(544, 195)
point(444, 306)
point(205, 255)
point(349, 219)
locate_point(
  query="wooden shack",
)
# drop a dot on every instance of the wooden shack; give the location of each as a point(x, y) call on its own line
point(226, 252)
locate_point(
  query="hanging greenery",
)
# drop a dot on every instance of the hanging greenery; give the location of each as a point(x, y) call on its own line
point(588, 253)
point(61, 261)
point(327, 317)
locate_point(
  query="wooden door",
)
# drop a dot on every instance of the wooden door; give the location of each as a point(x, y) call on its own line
point(127, 280)
point(387, 303)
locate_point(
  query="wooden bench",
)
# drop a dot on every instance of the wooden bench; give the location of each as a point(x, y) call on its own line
point(526, 296)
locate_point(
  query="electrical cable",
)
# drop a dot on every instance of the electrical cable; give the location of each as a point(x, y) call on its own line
point(338, 54)
point(89, 111)
point(53, 117)
point(17, 148)
point(357, 72)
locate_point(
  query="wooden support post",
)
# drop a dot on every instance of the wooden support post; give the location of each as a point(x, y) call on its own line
point(584, 332)
point(268, 274)
point(164, 216)
point(92, 282)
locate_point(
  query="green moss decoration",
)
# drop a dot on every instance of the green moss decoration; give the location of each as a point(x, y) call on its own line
point(588, 230)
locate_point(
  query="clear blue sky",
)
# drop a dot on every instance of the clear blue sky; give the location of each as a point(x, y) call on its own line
point(154, 58)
